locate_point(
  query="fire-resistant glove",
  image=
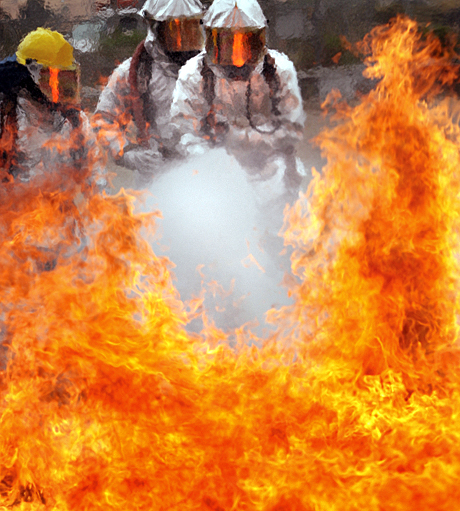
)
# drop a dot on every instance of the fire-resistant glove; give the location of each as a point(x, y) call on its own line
point(145, 160)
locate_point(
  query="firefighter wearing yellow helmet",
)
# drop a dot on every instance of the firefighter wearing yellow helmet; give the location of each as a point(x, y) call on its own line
point(240, 94)
point(39, 107)
point(133, 111)
point(48, 52)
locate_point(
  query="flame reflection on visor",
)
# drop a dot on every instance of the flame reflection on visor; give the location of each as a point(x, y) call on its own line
point(61, 85)
point(54, 83)
point(230, 48)
point(239, 56)
point(181, 34)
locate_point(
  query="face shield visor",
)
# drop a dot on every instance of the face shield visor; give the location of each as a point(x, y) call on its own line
point(230, 47)
point(181, 34)
point(61, 85)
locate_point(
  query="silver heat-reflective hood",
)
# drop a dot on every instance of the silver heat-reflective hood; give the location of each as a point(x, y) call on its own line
point(235, 14)
point(162, 10)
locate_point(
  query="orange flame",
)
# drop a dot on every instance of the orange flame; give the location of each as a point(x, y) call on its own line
point(389, 201)
point(8, 149)
point(238, 54)
point(54, 83)
point(178, 34)
point(107, 401)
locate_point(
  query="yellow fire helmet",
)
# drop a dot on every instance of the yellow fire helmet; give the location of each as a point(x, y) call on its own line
point(47, 47)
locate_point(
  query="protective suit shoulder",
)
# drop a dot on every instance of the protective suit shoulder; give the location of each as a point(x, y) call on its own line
point(191, 70)
point(122, 71)
point(188, 87)
point(116, 89)
point(15, 78)
point(12, 75)
point(189, 107)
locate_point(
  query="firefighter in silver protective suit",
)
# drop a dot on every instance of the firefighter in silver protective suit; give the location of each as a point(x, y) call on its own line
point(133, 113)
point(42, 126)
point(240, 94)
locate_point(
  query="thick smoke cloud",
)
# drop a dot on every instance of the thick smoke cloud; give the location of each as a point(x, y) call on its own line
point(218, 226)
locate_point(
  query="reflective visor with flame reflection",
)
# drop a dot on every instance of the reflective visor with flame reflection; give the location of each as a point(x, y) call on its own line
point(61, 85)
point(181, 34)
point(228, 47)
point(109, 403)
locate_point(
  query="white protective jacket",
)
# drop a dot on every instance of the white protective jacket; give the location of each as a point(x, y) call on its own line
point(243, 112)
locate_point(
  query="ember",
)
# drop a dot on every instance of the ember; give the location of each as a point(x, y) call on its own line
point(109, 403)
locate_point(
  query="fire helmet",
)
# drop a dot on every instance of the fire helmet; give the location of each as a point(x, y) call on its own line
point(235, 32)
point(47, 47)
point(177, 23)
point(59, 77)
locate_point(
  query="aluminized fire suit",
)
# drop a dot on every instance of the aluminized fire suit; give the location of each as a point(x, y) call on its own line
point(255, 110)
point(41, 130)
point(133, 112)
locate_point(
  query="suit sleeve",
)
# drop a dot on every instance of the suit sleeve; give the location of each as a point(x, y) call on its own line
point(112, 119)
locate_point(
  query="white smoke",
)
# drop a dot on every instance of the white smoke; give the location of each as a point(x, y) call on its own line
point(218, 226)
